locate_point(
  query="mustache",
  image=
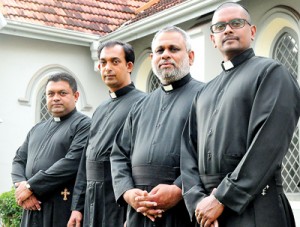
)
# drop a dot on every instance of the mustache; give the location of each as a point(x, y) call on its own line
point(166, 62)
point(230, 38)
point(108, 74)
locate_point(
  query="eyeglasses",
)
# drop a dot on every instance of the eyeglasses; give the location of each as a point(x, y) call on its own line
point(234, 24)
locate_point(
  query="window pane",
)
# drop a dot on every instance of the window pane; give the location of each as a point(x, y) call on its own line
point(153, 82)
point(286, 51)
point(44, 114)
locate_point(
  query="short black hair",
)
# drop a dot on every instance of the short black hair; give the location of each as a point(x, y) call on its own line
point(128, 49)
point(63, 76)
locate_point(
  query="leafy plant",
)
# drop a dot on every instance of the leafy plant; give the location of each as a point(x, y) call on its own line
point(10, 212)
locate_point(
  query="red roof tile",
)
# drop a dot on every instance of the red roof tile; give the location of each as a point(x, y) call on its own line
point(158, 7)
point(90, 16)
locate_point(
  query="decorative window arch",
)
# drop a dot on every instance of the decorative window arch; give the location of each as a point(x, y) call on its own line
point(280, 25)
point(35, 89)
point(142, 70)
point(286, 50)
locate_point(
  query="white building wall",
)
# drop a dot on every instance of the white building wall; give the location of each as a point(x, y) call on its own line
point(20, 60)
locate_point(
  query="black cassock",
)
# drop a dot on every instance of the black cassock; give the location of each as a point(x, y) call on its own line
point(147, 152)
point(93, 183)
point(48, 160)
point(239, 130)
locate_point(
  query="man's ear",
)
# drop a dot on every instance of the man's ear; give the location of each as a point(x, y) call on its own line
point(191, 57)
point(76, 95)
point(129, 66)
point(212, 38)
point(253, 32)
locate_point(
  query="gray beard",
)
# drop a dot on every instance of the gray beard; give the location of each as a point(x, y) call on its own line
point(167, 77)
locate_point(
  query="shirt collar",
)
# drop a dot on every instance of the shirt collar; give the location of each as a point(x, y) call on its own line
point(122, 91)
point(176, 84)
point(237, 60)
point(58, 119)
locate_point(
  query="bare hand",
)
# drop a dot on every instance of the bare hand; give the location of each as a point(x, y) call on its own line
point(22, 192)
point(130, 197)
point(32, 203)
point(215, 224)
point(75, 219)
point(166, 196)
point(208, 210)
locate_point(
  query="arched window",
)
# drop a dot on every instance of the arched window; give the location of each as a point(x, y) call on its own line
point(286, 51)
point(153, 82)
point(43, 113)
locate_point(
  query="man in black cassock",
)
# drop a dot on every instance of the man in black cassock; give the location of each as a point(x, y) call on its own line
point(238, 133)
point(93, 192)
point(45, 166)
point(146, 154)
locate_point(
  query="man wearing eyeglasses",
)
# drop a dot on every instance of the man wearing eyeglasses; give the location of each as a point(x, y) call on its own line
point(239, 129)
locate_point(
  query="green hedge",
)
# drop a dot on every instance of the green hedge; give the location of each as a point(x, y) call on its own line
point(10, 212)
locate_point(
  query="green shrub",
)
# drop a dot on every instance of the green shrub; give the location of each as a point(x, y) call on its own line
point(10, 212)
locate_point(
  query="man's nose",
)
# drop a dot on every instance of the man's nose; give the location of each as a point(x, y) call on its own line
point(228, 29)
point(108, 66)
point(165, 54)
point(56, 96)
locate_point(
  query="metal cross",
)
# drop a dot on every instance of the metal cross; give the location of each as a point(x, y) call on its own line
point(65, 193)
point(264, 191)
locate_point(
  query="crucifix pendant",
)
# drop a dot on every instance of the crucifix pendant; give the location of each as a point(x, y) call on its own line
point(65, 193)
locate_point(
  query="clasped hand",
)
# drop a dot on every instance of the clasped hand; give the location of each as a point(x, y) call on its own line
point(208, 210)
point(152, 204)
point(25, 198)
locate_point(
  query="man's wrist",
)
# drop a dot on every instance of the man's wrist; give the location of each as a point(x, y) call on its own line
point(27, 185)
point(217, 200)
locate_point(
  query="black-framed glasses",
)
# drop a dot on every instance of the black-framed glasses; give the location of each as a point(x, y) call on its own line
point(234, 24)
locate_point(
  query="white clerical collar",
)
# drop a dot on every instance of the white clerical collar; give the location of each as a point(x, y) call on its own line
point(113, 95)
point(227, 65)
point(168, 87)
point(57, 119)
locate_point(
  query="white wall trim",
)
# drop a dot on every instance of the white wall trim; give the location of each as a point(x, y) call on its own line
point(3, 21)
point(142, 69)
point(48, 33)
point(270, 25)
point(180, 13)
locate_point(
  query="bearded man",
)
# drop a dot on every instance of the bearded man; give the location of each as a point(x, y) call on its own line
point(145, 158)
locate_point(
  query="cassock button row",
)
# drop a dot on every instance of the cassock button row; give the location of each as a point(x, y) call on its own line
point(215, 111)
point(210, 132)
point(209, 155)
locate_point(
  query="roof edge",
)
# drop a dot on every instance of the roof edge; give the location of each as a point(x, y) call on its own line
point(48, 33)
point(175, 15)
point(3, 21)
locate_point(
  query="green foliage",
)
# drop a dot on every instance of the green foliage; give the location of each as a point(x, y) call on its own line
point(10, 212)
